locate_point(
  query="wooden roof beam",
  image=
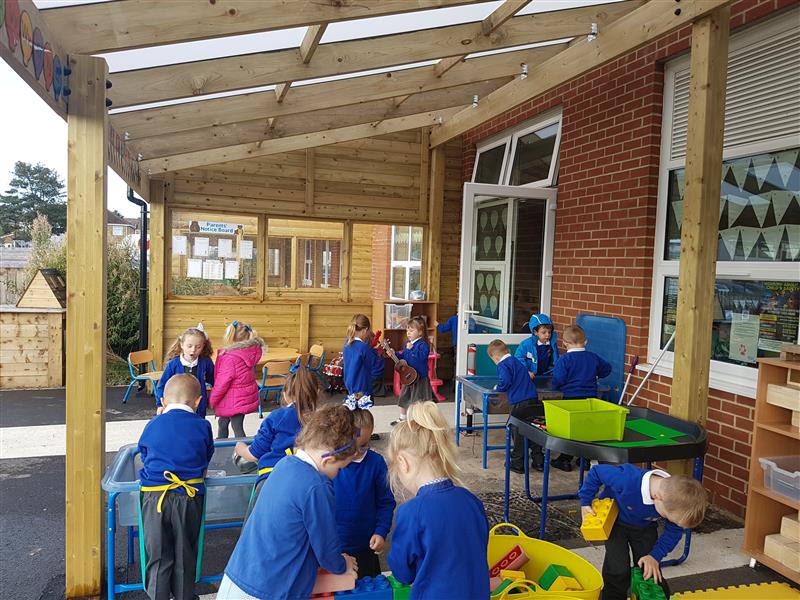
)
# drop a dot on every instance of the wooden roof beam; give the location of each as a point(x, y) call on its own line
point(239, 72)
point(203, 158)
point(128, 24)
point(307, 48)
point(648, 22)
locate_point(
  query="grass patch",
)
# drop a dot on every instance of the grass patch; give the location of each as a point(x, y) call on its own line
point(117, 372)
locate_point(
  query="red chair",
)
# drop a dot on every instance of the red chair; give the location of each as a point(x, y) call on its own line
point(433, 357)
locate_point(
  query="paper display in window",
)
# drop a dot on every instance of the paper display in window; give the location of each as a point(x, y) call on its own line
point(786, 161)
point(225, 248)
point(246, 249)
point(218, 228)
point(729, 238)
point(195, 268)
point(179, 245)
point(212, 269)
point(781, 199)
point(200, 247)
point(744, 337)
point(749, 236)
point(231, 269)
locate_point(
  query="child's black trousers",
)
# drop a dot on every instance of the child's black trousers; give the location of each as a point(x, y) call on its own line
point(624, 541)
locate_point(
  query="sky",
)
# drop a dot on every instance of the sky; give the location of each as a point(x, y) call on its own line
point(36, 134)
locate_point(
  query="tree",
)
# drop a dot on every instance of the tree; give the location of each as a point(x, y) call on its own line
point(33, 189)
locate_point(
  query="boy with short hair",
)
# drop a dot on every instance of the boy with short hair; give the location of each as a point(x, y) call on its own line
point(539, 353)
point(643, 497)
point(514, 381)
point(175, 448)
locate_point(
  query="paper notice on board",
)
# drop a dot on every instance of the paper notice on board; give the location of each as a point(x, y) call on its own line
point(744, 337)
point(231, 269)
point(195, 268)
point(246, 249)
point(200, 246)
point(179, 245)
point(225, 248)
point(212, 269)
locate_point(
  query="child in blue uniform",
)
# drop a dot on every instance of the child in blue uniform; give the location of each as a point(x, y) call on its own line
point(422, 460)
point(362, 365)
point(276, 436)
point(451, 326)
point(364, 502)
point(175, 449)
point(292, 531)
point(415, 354)
point(190, 353)
point(539, 353)
point(576, 375)
point(518, 387)
point(643, 497)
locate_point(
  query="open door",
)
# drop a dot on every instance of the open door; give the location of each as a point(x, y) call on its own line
point(506, 267)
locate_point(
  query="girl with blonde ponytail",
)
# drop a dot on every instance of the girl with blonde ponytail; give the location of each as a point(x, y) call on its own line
point(422, 461)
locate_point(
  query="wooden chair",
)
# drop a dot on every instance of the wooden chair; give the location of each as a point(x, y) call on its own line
point(142, 357)
point(273, 379)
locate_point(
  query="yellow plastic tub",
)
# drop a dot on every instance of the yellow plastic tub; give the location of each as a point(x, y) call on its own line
point(541, 554)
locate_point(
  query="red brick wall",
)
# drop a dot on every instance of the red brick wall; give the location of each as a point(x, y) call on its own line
point(605, 223)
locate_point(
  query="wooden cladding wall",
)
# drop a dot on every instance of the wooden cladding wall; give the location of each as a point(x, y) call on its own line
point(31, 348)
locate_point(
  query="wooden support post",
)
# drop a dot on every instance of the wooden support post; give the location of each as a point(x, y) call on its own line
point(157, 293)
point(309, 210)
point(433, 255)
point(305, 311)
point(86, 325)
point(698, 256)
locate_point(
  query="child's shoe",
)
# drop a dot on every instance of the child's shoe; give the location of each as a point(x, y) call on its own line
point(562, 462)
point(400, 419)
point(537, 461)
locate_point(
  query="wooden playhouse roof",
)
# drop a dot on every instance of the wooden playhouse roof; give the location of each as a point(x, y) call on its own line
point(47, 289)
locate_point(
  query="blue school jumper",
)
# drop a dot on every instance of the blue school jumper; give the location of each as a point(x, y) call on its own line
point(204, 374)
point(452, 326)
point(416, 357)
point(537, 358)
point(623, 483)
point(514, 380)
point(364, 502)
point(361, 365)
point(439, 544)
point(178, 441)
point(289, 535)
point(276, 434)
point(577, 372)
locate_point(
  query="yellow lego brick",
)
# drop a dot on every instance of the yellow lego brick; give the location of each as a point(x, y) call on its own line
point(512, 575)
point(760, 591)
point(564, 584)
point(597, 528)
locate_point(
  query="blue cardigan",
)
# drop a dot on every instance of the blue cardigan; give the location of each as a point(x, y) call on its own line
point(277, 433)
point(577, 372)
point(423, 551)
point(179, 441)
point(528, 354)
point(514, 381)
point(205, 374)
point(364, 502)
point(452, 326)
point(361, 365)
point(289, 535)
point(623, 483)
point(417, 356)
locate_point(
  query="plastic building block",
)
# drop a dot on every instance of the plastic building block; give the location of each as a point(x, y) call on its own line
point(757, 591)
point(327, 583)
point(369, 588)
point(494, 583)
point(558, 578)
point(401, 591)
point(512, 575)
point(645, 590)
point(597, 528)
point(502, 587)
point(515, 558)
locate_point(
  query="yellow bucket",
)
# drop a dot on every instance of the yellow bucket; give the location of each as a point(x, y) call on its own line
point(542, 554)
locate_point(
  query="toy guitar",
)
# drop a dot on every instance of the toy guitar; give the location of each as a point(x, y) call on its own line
point(408, 374)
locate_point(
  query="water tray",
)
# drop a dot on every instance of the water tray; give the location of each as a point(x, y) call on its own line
point(585, 420)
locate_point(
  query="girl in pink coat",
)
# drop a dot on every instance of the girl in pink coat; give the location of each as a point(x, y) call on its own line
point(235, 391)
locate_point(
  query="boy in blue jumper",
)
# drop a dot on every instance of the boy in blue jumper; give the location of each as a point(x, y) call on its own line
point(643, 497)
point(175, 449)
point(451, 326)
point(539, 353)
point(513, 380)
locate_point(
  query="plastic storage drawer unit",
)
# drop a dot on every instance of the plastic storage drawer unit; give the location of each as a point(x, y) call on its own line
point(782, 475)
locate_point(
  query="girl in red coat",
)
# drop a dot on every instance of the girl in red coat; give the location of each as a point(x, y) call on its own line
point(235, 391)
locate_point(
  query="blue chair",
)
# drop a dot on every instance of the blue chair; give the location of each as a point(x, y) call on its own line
point(142, 357)
point(315, 361)
point(273, 380)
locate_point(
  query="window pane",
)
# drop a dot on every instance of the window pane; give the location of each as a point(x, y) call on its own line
point(490, 163)
point(490, 241)
point(752, 319)
point(414, 279)
point(759, 214)
point(279, 262)
point(486, 293)
point(399, 282)
point(213, 254)
point(319, 264)
point(402, 243)
point(526, 295)
point(416, 243)
point(533, 156)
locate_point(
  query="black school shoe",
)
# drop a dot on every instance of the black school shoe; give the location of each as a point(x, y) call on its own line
point(517, 467)
point(563, 463)
point(537, 461)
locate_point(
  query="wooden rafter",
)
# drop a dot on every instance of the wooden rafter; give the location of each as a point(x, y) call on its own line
point(646, 23)
point(500, 15)
point(307, 48)
point(202, 158)
point(252, 70)
point(321, 96)
point(126, 24)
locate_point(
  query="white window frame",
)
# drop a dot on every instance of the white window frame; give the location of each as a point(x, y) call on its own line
point(407, 264)
point(308, 270)
point(723, 376)
point(511, 137)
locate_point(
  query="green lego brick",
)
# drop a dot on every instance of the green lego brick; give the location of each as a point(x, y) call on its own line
point(502, 587)
point(400, 591)
point(551, 573)
point(644, 590)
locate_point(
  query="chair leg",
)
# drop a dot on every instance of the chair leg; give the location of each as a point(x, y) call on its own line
point(128, 391)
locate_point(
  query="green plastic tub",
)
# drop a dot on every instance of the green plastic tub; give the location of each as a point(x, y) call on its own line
point(585, 420)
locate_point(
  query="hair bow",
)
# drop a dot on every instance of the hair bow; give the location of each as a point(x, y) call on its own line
point(352, 402)
point(201, 328)
point(245, 325)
